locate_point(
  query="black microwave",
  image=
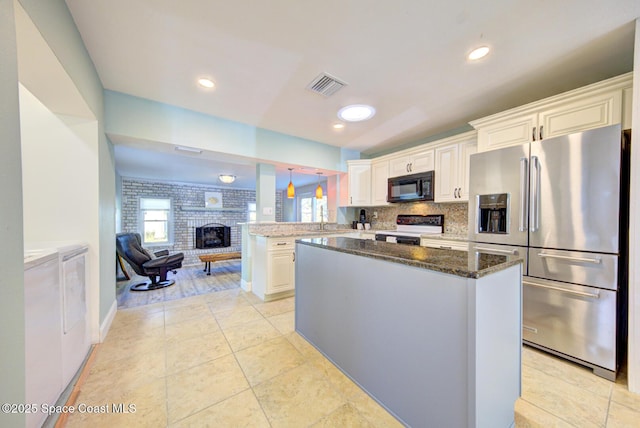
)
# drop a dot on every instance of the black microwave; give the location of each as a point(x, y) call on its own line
point(411, 188)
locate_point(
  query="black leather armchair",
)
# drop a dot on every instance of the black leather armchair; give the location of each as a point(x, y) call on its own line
point(156, 266)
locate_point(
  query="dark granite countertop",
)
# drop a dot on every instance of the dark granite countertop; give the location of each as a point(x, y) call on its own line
point(460, 263)
point(303, 233)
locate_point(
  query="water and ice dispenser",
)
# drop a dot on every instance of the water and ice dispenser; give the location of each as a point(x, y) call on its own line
point(493, 212)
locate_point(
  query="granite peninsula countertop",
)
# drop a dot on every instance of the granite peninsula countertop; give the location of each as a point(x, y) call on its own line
point(304, 233)
point(460, 263)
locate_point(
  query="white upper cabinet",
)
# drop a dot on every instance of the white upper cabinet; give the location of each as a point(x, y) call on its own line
point(452, 168)
point(411, 162)
point(589, 107)
point(379, 179)
point(359, 182)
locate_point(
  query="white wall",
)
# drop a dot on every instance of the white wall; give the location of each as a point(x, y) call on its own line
point(58, 174)
point(148, 120)
point(54, 65)
point(60, 182)
point(12, 356)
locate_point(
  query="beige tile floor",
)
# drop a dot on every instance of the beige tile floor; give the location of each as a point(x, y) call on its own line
point(223, 359)
point(227, 359)
point(558, 393)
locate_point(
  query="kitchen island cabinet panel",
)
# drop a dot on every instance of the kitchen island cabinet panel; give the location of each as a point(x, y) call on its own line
point(435, 349)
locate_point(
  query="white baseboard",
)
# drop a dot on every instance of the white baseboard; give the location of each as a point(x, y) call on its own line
point(106, 324)
point(245, 285)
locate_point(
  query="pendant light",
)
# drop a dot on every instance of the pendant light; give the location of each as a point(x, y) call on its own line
point(291, 191)
point(319, 188)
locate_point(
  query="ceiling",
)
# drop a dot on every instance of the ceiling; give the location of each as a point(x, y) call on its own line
point(407, 58)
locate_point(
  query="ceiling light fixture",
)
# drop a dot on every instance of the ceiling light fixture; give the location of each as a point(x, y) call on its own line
point(206, 82)
point(227, 178)
point(356, 112)
point(291, 191)
point(188, 149)
point(338, 126)
point(319, 188)
point(478, 53)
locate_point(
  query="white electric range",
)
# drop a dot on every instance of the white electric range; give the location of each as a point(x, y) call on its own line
point(411, 227)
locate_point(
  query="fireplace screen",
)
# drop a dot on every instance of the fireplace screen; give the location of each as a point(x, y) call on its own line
point(213, 235)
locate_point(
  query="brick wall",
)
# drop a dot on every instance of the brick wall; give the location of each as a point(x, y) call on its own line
point(182, 197)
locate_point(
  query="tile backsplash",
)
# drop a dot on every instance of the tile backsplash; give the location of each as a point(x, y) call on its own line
point(455, 214)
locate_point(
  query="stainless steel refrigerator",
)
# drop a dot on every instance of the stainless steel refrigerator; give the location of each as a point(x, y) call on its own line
point(561, 205)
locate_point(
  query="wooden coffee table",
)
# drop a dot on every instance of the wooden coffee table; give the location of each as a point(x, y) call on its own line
point(216, 257)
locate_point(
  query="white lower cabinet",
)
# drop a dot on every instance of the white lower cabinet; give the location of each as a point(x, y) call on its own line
point(274, 267)
point(281, 271)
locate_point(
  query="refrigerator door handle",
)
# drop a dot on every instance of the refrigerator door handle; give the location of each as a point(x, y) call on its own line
point(535, 193)
point(595, 260)
point(524, 198)
point(595, 295)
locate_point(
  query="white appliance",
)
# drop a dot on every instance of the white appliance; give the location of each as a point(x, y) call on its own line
point(43, 352)
point(75, 334)
point(411, 227)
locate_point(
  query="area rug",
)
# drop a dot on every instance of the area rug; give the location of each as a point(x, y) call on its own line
point(190, 281)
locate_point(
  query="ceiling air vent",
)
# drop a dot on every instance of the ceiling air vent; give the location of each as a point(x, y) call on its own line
point(325, 84)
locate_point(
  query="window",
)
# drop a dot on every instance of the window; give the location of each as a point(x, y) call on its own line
point(310, 208)
point(155, 220)
point(252, 212)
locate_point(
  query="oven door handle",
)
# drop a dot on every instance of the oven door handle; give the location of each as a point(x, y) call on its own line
point(405, 240)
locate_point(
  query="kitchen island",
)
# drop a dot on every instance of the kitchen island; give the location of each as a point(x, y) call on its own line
point(433, 335)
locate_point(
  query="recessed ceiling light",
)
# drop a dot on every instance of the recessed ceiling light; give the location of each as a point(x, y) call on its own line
point(356, 112)
point(338, 125)
point(206, 82)
point(478, 53)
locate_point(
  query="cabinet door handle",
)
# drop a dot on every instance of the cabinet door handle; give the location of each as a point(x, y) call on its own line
point(541, 127)
point(351, 200)
point(531, 329)
point(444, 247)
point(533, 134)
point(281, 243)
point(407, 167)
point(294, 256)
